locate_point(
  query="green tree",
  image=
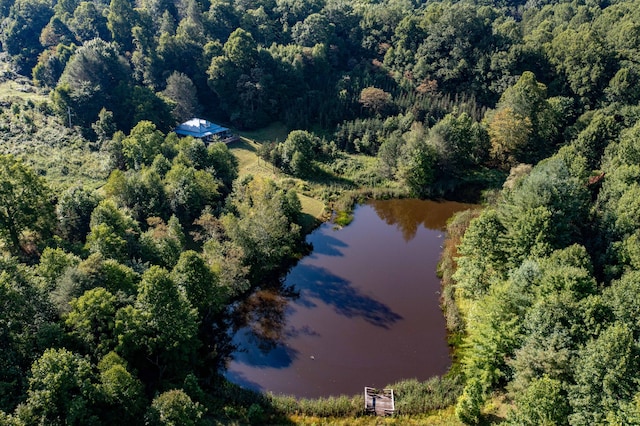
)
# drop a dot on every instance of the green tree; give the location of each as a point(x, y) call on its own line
point(482, 253)
point(592, 141)
point(74, 213)
point(623, 87)
point(61, 390)
point(525, 124)
point(142, 145)
point(261, 226)
point(389, 154)
point(120, 20)
point(604, 375)
point(297, 152)
point(622, 297)
point(89, 23)
point(51, 64)
point(95, 77)
point(21, 31)
point(159, 333)
point(552, 185)
point(245, 81)
point(199, 283)
point(193, 152)
point(120, 391)
point(53, 263)
point(91, 320)
point(189, 191)
point(96, 271)
point(470, 402)
point(25, 205)
point(142, 192)
point(105, 126)
point(456, 47)
point(543, 403)
point(584, 60)
point(418, 168)
point(241, 48)
point(184, 95)
point(146, 105)
point(26, 317)
point(315, 29)
point(113, 234)
point(460, 142)
point(224, 163)
point(174, 408)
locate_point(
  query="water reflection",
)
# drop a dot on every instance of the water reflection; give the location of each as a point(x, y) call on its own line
point(260, 321)
point(408, 215)
point(317, 283)
point(262, 315)
point(361, 310)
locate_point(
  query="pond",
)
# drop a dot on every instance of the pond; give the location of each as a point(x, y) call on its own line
point(361, 310)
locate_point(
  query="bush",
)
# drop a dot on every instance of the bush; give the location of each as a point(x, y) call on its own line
point(470, 403)
point(415, 397)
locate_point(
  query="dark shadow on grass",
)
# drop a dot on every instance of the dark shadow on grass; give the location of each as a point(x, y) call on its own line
point(308, 222)
point(242, 144)
point(322, 176)
point(318, 283)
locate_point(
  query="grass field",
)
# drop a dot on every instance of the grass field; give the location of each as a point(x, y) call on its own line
point(249, 163)
point(275, 132)
point(445, 417)
point(12, 89)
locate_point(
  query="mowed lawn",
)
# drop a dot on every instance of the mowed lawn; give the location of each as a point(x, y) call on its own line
point(246, 151)
point(249, 163)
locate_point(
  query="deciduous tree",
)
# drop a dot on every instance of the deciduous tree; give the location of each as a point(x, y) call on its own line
point(159, 333)
point(25, 204)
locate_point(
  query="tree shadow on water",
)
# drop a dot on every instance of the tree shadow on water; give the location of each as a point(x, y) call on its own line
point(257, 351)
point(241, 379)
point(318, 283)
point(328, 246)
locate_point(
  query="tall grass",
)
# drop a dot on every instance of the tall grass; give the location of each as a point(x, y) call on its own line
point(412, 397)
point(61, 155)
point(456, 228)
point(339, 406)
point(436, 393)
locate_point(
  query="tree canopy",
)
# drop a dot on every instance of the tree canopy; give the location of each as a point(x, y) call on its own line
point(124, 247)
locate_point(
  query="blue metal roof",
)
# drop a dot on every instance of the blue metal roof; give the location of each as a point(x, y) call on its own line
point(199, 128)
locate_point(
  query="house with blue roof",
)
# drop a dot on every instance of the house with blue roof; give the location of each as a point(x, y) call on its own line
point(205, 130)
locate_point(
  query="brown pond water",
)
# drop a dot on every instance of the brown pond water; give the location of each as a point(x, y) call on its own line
point(361, 310)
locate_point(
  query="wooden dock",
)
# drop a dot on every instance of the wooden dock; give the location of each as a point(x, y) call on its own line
point(380, 402)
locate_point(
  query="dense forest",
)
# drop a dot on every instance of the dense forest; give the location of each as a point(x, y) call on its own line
point(126, 248)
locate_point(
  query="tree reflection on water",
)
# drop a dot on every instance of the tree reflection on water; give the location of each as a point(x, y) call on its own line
point(408, 215)
point(263, 314)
